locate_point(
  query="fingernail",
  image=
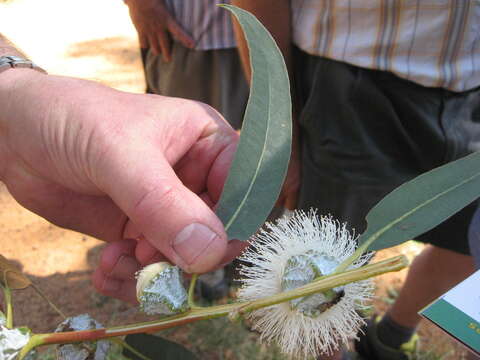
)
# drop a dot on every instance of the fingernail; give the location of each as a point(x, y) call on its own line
point(111, 285)
point(192, 241)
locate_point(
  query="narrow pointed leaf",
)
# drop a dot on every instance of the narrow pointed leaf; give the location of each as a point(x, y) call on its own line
point(15, 278)
point(156, 348)
point(258, 170)
point(422, 203)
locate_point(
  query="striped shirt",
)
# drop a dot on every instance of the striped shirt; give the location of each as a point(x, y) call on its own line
point(209, 25)
point(435, 43)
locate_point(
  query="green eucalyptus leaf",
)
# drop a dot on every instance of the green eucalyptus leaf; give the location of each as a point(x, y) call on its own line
point(260, 164)
point(422, 203)
point(156, 348)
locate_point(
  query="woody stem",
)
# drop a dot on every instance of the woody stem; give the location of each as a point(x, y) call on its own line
point(240, 308)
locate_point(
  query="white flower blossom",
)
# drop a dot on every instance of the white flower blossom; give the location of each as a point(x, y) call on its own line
point(289, 254)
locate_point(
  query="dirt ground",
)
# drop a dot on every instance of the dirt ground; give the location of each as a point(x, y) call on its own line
point(95, 40)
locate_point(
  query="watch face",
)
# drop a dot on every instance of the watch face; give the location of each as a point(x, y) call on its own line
point(12, 61)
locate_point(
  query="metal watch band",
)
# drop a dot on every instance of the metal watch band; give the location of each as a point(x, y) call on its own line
point(12, 61)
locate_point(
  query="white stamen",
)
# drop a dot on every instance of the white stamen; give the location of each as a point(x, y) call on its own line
point(297, 334)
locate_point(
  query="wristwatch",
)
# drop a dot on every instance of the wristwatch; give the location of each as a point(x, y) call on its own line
point(12, 61)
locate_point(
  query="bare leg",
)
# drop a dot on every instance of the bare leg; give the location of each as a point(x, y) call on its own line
point(432, 273)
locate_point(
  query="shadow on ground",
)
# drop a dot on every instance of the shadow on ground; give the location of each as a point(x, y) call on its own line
point(73, 294)
point(117, 60)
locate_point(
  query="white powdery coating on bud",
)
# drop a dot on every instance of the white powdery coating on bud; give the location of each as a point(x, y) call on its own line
point(160, 290)
point(95, 350)
point(12, 341)
point(295, 333)
point(3, 319)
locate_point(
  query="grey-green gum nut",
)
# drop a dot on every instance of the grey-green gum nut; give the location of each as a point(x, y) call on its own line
point(160, 290)
point(90, 350)
point(303, 269)
point(12, 341)
point(3, 319)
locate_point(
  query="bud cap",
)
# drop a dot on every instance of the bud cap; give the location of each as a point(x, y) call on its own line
point(160, 290)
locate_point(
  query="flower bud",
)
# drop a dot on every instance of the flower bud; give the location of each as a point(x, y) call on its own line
point(12, 341)
point(92, 350)
point(3, 319)
point(160, 290)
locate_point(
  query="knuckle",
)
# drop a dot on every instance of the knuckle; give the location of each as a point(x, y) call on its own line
point(158, 199)
point(108, 259)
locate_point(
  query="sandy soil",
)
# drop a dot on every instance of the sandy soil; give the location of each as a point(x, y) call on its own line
point(94, 40)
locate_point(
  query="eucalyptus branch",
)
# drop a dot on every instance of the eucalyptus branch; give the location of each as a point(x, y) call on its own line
point(7, 294)
point(35, 340)
point(354, 257)
point(240, 308)
point(329, 282)
point(191, 291)
point(358, 252)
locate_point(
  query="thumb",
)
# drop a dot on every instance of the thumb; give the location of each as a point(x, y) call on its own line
point(171, 217)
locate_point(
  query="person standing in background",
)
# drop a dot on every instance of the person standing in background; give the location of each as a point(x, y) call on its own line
point(189, 51)
point(388, 90)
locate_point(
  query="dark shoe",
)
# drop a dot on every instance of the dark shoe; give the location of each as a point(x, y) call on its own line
point(369, 346)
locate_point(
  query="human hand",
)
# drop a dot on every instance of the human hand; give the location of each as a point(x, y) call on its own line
point(116, 165)
point(155, 25)
point(120, 260)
